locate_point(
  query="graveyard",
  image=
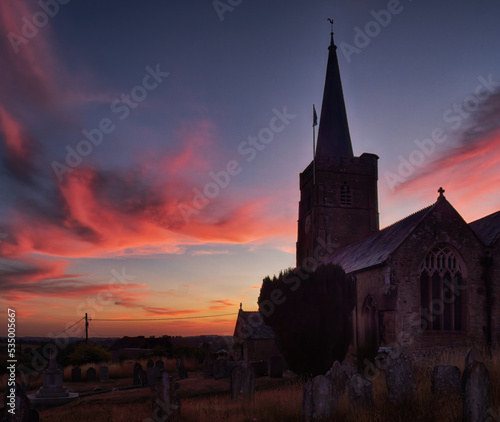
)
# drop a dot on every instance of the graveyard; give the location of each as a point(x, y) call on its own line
point(395, 390)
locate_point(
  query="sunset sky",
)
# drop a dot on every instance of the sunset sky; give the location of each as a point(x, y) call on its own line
point(116, 116)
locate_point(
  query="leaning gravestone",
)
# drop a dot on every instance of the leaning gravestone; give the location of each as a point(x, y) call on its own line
point(399, 376)
point(76, 374)
point(476, 394)
point(137, 369)
point(243, 382)
point(318, 401)
point(445, 379)
point(338, 376)
point(276, 367)
point(104, 373)
point(91, 374)
point(360, 391)
point(166, 406)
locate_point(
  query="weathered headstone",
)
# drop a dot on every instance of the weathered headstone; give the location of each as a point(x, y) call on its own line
point(221, 369)
point(166, 406)
point(276, 367)
point(260, 368)
point(445, 379)
point(151, 376)
point(208, 366)
point(360, 391)
point(137, 369)
point(104, 373)
point(318, 400)
point(143, 378)
point(474, 355)
point(243, 381)
point(22, 407)
point(476, 395)
point(150, 363)
point(181, 369)
point(159, 364)
point(76, 374)
point(338, 376)
point(91, 374)
point(399, 376)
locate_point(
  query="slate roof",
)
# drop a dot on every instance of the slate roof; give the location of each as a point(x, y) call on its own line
point(252, 321)
point(487, 228)
point(376, 248)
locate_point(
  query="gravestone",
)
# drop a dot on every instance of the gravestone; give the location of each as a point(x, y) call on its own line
point(221, 369)
point(208, 366)
point(243, 382)
point(181, 369)
point(445, 379)
point(104, 373)
point(91, 374)
point(24, 411)
point(143, 378)
point(338, 376)
point(166, 406)
point(399, 376)
point(276, 367)
point(474, 355)
point(137, 369)
point(159, 364)
point(151, 376)
point(150, 363)
point(476, 394)
point(360, 391)
point(260, 368)
point(318, 401)
point(76, 374)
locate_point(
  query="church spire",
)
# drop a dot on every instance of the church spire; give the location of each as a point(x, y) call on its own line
point(333, 135)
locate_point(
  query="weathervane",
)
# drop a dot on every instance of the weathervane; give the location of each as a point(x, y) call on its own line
point(331, 22)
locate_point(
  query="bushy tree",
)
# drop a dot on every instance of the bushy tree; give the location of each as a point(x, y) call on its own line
point(89, 353)
point(311, 315)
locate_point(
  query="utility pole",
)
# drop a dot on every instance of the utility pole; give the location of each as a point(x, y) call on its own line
point(86, 328)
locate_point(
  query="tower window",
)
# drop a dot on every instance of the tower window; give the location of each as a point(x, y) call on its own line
point(441, 290)
point(345, 194)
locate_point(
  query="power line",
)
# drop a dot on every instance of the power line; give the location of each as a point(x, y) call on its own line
point(68, 327)
point(162, 319)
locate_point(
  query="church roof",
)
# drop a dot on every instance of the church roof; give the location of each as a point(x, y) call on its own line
point(250, 325)
point(487, 228)
point(376, 248)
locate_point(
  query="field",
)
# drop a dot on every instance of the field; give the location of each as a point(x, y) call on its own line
point(275, 400)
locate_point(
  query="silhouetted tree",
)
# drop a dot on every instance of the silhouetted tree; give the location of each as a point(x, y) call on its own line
point(311, 315)
point(89, 353)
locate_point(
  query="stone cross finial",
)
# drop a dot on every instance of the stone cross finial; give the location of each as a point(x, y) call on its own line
point(441, 191)
point(241, 306)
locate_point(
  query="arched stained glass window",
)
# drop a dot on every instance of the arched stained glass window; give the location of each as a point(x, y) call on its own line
point(442, 288)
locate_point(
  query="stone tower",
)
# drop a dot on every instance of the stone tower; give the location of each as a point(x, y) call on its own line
point(338, 191)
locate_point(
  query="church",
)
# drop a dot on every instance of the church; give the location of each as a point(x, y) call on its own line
point(426, 283)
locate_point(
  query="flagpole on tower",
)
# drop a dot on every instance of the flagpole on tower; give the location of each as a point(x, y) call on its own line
point(315, 122)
